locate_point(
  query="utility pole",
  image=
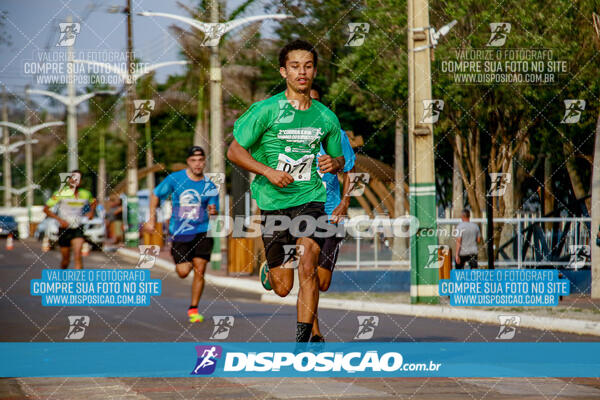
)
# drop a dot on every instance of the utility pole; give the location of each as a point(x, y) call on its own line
point(424, 281)
point(132, 234)
point(7, 170)
point(101, 183)
point(28, 158)
point(72, 149)
point(217, 153)
point(457, 183)
point(399, 192)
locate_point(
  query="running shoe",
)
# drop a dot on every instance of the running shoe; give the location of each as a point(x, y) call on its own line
point(317, 338)
point(264, 276)
point(194, 315)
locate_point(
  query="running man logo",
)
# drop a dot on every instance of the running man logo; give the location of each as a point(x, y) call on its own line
point(142, 111)
point(148, 254)
point(431, 111)
point(292, 254)
point(500, 31)
point(68, 182)
point(573, 110)
point(68, 33)
point(207, 359)
point(498, 183)
point(358, 33)
point(434, 262)
point(223, 325)
point(366, 327)
point(287, 111)
point(508, 326)
point(218, 179)
point(580, 255)
point(212, 37)
point(358, 182)
point(77, 325)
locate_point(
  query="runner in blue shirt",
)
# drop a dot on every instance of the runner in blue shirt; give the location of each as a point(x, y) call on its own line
point(336, 207)
point(194, 199)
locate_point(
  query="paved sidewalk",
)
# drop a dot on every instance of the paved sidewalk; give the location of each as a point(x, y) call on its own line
point(577, 314)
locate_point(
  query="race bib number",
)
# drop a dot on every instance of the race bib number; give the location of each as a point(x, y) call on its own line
point(299, 169)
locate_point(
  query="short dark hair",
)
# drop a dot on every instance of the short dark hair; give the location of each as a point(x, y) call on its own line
point(76, 171)
point(466, 212)
point(297, 44)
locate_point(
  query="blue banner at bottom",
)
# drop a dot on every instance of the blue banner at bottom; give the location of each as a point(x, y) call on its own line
point(222, 359)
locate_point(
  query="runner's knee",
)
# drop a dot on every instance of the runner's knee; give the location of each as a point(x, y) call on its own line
point(183, 270)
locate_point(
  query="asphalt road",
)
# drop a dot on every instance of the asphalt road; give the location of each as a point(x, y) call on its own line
point(24, 319)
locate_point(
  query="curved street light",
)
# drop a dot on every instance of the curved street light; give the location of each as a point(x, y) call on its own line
point(71, 102)
point(28, 131)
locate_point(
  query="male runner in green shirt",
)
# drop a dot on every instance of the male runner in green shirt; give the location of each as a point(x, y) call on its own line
point(278, 139)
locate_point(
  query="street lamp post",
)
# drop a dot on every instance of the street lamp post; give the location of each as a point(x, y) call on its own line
point(214, 30)
point(28, 131)
point(129, 77)
point(71, 101)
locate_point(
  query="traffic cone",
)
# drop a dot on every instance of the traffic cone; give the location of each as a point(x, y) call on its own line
point(45, 244)
point(10, 242)
point(85, 250)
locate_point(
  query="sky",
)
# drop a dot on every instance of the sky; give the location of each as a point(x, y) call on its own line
point(33, 26)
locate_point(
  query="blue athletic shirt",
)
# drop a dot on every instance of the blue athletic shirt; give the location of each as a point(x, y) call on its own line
point(332, 183)
point(190, 200)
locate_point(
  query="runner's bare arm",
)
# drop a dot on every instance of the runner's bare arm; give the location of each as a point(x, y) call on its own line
point(330, 164)
point(61, 222)
point(150, 225)
point(342, 209)
point(90, 214)
point(241, 157)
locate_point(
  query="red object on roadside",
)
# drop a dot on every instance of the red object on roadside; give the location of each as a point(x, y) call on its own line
point(10, 244)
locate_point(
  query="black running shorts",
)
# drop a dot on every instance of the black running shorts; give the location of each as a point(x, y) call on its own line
point(276, 240)
point(199, 247)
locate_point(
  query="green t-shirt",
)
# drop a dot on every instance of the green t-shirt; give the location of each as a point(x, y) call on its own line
point(287, 139)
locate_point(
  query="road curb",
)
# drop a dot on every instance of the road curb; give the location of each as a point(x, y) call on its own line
point(246, 285)
point(581, 327)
